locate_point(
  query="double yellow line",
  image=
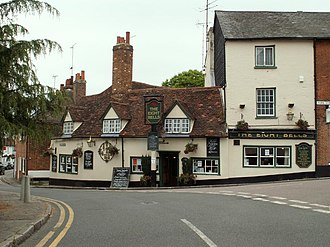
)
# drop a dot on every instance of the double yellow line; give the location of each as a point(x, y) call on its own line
point(58, 224)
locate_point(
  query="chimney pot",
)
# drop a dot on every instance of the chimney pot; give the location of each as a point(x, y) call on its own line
point(83, 75)
point(127, 37)
point(77, 76)
point(118, 39)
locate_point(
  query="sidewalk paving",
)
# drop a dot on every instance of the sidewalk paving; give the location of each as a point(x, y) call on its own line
point(19, 220)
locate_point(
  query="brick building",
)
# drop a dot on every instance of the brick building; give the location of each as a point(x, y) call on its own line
point(322, 96)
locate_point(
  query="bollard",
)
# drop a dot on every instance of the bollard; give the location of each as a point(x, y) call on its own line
point(27, 191)
point(22, 188)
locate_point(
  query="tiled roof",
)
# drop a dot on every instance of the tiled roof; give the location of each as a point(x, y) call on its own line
point(266, 25)
point(203, 105)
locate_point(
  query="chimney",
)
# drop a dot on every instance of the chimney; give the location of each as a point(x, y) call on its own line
point(122, 68)
point(79, 86)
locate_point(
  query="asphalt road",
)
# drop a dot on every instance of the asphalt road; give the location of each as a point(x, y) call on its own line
point(270, 214)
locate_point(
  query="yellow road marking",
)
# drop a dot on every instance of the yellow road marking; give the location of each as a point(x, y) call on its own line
point(66, 228)
point(59, 223)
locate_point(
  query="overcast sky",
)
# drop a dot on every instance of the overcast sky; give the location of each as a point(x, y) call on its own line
point(167, 36)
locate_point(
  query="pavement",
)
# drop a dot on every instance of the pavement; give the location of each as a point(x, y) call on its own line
point(19, 220)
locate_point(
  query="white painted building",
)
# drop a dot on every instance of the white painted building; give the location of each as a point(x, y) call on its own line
point(266, 69)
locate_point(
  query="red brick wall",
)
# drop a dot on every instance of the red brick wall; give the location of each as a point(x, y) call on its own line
point(322, 71)
point(38, 160)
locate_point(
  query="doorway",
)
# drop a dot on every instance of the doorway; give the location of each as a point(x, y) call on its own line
point(168, 168)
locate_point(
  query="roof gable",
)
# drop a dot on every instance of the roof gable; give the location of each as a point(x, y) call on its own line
point(110, 114)
point(178, 111)
point(270, 25)
point(68, 117)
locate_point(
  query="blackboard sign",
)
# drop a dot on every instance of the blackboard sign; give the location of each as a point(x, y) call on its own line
point(120, 177)
point(212, 147)
point(303, 155)
point(153, 143)
point(54, 163)
point(88, 160)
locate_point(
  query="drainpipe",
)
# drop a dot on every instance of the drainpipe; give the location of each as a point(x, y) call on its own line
point(122, 152)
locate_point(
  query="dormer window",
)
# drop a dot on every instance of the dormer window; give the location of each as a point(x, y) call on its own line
point(177, 125)
point(68, 128)
point(111, 126)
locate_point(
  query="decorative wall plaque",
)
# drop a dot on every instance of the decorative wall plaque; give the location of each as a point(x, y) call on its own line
point(303, 155)
point(107, 151)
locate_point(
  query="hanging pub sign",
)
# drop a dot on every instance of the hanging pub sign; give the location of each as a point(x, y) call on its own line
point(303, 155)
point(153, 111)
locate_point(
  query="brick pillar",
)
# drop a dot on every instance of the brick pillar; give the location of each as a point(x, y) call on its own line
point(122, 68)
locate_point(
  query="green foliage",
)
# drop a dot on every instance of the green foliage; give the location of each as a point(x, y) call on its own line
point(191, 78)
point(25, 104)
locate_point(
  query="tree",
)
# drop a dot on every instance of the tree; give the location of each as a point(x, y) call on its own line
point(191, 78)
point(24, 102)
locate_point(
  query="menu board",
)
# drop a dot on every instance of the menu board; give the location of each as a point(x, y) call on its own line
point(88, 160)
point(120, 177)
point(212, 147)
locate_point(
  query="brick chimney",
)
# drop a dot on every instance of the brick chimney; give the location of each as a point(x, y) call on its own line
point(122, 68)
point(79, 86)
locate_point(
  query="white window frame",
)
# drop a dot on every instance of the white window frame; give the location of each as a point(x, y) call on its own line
point(265, 50)
point(265, 102)
point(327, 115)
point(68, 128)
point(246, 160)
point(205, 166)
point(177, 125)
point(111, 126)
point(67, 165)
point(286, 157)
point(272, 154)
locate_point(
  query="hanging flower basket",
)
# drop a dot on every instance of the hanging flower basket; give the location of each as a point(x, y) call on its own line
point(190, 147)
point(302, 124)
point(242, 125)
point(77, 152)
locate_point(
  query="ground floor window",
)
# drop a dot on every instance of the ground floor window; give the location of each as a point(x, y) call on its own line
point(267, 156)
point(205, 165)
point(68, 164)
point(136, 164)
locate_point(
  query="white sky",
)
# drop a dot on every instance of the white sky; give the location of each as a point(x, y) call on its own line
point(164, 34)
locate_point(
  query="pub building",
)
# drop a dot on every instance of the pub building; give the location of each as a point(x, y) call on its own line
point(116, 129)
point(107, 137)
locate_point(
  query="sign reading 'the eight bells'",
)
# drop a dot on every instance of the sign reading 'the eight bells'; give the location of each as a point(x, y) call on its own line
point(153, 109)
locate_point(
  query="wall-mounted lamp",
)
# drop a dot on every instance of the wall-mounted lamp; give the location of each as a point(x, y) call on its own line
point(289, 115)
point(242, 106)
point(290, 105)
point(90, 142)
point(301, 79)
point(51, 150)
